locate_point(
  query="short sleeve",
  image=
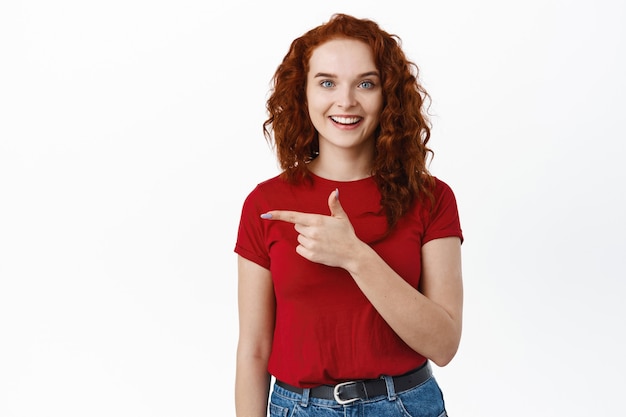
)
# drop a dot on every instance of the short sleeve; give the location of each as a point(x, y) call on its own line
point(250, 242)
point(444, 219)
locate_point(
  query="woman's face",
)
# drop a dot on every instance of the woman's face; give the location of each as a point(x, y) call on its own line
point(344, 94)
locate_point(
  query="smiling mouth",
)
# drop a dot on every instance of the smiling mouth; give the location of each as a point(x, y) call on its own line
point(346, 120)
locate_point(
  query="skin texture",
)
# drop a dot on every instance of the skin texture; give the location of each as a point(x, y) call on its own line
point(256, 327)
point(343, 85)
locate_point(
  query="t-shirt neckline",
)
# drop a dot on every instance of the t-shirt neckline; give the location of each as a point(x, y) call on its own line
point(346, 182)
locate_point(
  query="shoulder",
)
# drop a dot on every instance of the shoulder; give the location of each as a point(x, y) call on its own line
point(270, 185)
point(441, 186)
point(441, 199)
point(442, 191)
point(277, 181)
point(268, 190)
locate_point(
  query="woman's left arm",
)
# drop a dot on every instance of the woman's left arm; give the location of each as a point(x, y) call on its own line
point(430, 320)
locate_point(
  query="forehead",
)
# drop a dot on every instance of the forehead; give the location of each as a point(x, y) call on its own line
point(342, 56)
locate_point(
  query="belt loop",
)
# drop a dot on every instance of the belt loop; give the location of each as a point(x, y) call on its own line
point(304, 400)
point(391, 389)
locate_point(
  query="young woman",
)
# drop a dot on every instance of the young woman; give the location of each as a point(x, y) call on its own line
point(349, 260)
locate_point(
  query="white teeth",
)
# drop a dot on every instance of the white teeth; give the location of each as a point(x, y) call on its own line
point(345, 120)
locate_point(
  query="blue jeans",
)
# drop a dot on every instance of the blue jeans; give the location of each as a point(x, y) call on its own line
point(425, 400)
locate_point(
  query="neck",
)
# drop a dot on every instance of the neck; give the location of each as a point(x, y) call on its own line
point(335, 167)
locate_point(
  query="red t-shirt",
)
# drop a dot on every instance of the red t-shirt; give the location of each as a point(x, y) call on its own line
point(326, 330)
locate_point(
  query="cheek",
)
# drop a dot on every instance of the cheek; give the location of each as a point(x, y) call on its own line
point(373, 105)
point(316, 116)
point(316, 108)
point(379, 105)
point(375, 112)
point(314, 102)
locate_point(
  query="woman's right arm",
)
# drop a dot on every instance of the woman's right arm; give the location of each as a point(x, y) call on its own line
point(257, 306)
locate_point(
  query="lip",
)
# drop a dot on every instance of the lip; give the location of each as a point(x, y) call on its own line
point(346, 121)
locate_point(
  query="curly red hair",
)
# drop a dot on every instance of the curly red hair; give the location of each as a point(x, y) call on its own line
point(400, 161)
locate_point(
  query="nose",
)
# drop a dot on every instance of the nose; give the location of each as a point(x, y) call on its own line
point(346, 97)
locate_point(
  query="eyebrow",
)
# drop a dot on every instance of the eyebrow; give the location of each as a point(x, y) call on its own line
point(365, 74)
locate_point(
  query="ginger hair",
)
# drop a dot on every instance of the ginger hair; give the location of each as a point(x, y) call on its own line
point(401, 153)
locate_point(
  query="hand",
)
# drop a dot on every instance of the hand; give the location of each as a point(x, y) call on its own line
point(328, 240)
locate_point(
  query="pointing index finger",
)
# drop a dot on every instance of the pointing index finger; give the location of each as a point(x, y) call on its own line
point(294, 217)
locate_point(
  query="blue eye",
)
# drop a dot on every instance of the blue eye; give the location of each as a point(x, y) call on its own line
point(327, 84)
point(367, 84)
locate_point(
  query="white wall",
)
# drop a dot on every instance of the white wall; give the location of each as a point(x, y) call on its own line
point(130, 132)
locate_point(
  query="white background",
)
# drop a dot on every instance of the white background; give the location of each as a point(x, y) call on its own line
point(130, 133)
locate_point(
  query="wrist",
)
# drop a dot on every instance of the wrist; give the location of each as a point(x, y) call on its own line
point(359, 258)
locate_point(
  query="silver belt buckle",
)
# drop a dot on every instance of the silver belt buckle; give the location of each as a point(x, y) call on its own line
point(336, 393)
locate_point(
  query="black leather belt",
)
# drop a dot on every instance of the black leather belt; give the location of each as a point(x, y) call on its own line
point(348, 392)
